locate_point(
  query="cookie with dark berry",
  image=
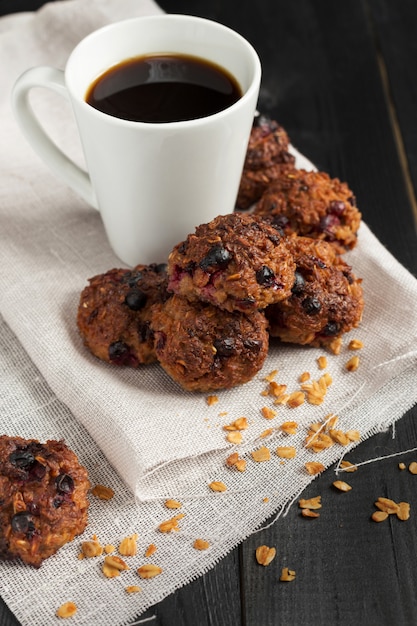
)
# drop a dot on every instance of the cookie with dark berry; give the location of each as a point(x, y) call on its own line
point(43, 495)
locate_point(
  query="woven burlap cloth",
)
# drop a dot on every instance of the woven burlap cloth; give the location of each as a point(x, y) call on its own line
point(135, 430)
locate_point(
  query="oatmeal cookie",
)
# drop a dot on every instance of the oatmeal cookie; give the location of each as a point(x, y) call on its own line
point(326, 299)
point(314, 205)
point(114, 313)
point(237, 262)
point(267, 157)
point(43, 495)
point(204, 348)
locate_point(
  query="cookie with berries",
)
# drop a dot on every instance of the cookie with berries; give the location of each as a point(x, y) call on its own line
point(204, 348)
point(267, 156)
point(326, 300)
point(43, 495)
point(114, 313)
point(237, 262)
point(312, 204)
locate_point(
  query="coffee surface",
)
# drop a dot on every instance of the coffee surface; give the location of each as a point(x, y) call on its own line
point(163, 88)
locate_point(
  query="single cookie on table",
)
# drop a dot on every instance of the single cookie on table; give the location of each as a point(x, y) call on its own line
point(204, 348)
point(326, 299)
point(114, 313)
point(43, 495)
point(312, 204)
point(237, 262)
point(267, 157)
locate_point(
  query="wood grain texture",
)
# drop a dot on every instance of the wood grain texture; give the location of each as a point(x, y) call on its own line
point(323, 79)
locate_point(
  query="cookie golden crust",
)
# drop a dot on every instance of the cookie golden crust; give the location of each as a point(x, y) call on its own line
point(237, 262)
point(114, 313)
point(267, 157)
point(326, 299)
point(43, 495)
point(314, 205)
point(204, 348)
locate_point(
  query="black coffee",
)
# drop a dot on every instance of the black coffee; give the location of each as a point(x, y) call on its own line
point(163, 88)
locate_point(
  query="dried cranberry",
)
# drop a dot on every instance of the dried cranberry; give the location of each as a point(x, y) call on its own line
point(22, 458)
point(225, 346)
point(22, 523)
point(218, 256)
point(299, 283)
point(265, 276)
point(161, 341)
point(64, 483)
point(136, 299)
point(37, 471)
point(311, 306)
point(329, 222)
point(337, 207)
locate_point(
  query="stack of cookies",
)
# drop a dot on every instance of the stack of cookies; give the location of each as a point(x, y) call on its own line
point(277, 271)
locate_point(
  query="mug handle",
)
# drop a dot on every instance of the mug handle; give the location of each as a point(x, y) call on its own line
point(54, 79)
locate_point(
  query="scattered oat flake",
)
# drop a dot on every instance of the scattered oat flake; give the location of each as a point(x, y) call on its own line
point(128, 546)
point(149, 571)
point(322, 362)
point(353, 435)
point(313, 467)
point(232, 459)
point(347, 466)
point(413, 467)
point(401, 466)
point(109, 548)
point(171, 525)
point(172, 504)
point(310, 514)
point(296, 398)
point(133, 589)
point(201, 544)
point(212, 400)
point(262, 454)
point(240, 424)
point(403, 512)
point(304, 377)
point(379, 516)
point(270, 377)
point(68, 609)
point(91, 548)
point(102, 492)
point(265, 499)
point(387, 505)
point(341, 485)
point(353, 364)
point(109, 571)
point(268, 413)
point(287, 575)
point(355, 344)
point(266, 433)
point(217, 485)
point(339, 437)
point(286, 452)
point(240, 465)
point(265, 555)
point(311, 503)
point(115, 561)
point(290, 428)
point(234, 437)
point(150, 550)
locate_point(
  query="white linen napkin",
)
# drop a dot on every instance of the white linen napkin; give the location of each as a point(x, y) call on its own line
point(135, 430)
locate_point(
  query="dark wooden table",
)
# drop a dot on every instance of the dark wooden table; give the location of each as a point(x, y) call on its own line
point(341, 77)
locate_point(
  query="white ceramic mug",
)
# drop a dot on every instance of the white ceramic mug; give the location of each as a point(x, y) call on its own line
point(152, 183)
